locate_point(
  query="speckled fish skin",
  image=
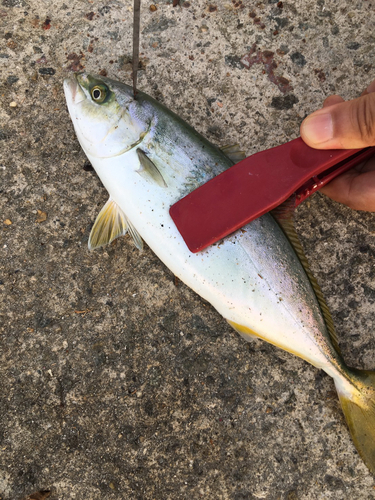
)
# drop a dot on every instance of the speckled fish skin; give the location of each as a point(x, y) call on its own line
point(253, 278)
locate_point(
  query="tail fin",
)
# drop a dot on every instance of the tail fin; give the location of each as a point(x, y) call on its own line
point(359, 411)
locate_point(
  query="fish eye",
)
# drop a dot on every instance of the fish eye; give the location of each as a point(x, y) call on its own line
point(99, 93)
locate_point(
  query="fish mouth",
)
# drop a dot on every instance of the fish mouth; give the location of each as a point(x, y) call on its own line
point(73, 90)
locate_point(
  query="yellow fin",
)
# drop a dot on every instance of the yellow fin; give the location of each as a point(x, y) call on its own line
point(245, 332)
point(109, 225)
point(135, 235)
point(149, 170)
point(284, 216)
point(233, 152)
point(359, 411)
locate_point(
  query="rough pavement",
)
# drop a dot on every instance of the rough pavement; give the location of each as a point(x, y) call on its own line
point(117, 382)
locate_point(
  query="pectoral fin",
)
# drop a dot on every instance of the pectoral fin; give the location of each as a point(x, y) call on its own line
point(109, 225)
point(149, 170)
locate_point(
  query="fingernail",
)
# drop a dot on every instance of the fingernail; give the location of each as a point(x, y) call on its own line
point(371, 87)
point(318, 128)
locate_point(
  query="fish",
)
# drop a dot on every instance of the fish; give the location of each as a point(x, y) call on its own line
point(257, 278)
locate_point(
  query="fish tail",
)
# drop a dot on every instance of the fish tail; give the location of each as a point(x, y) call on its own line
point(358, 405)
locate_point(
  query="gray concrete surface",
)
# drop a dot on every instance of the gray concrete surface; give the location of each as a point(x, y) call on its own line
point(116, 381)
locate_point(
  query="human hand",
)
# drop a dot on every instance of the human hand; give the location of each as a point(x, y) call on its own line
point(346, 125)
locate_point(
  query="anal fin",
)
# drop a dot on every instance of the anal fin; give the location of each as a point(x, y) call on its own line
point(245, 332)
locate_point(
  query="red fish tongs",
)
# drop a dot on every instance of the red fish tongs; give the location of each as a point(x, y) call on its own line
point(257, 185)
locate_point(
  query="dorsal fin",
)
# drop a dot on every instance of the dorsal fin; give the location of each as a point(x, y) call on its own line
point(233, 152)
point(284, 214)
point(109, 225)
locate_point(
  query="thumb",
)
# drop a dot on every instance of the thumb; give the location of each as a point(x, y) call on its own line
point(347, 125)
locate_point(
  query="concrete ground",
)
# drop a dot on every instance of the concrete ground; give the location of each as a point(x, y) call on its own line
point(117, 382)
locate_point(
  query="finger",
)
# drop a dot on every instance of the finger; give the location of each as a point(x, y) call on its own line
point(354, 189)
point(346, 125)
point(370, 88)
point(332, 99)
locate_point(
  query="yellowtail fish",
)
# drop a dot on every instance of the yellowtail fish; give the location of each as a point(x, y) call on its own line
point(257, 278)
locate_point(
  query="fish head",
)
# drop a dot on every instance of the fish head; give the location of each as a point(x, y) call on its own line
point(104, 115)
